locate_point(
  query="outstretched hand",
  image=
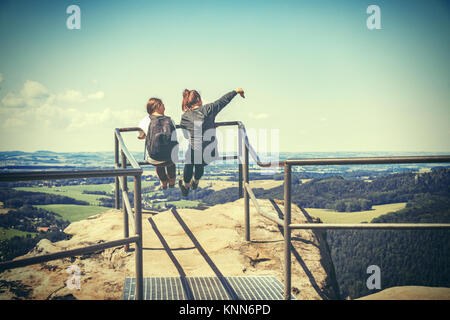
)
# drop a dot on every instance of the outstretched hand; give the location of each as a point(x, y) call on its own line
point(240, 91)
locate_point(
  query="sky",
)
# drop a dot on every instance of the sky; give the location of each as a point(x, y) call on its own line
point(315, 76)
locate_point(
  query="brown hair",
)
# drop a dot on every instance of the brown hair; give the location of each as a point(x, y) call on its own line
point(190, 98)
point(153, 104)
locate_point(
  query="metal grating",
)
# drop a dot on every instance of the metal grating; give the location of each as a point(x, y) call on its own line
point(207, 288)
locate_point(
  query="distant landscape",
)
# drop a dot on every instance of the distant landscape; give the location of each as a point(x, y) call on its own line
point(33, 210)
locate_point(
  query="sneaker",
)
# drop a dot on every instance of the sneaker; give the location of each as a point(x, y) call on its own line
point(184, 190)
point(194, 184)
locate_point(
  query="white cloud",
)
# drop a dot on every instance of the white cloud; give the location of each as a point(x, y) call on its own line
point(32, 95)
point(96, 96)
point(258, 116)
point(33, 89)
point(70, 96)
point(13, 123)
point(13, 100)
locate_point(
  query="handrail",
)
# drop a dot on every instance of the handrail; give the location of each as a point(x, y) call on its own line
point(127, 153)
point(57, 175)
point(65, 254)
point(246, 149)
point(367, 160)
point(252, 151)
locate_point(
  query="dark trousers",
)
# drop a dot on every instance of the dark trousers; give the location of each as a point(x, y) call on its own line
point(192, 168)
point(166, 172)
point(189, 172)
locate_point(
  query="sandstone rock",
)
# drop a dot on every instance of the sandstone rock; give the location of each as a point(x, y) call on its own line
point(189, 235)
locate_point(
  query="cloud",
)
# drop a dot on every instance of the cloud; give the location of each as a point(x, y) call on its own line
point(32, 95)
point(33, 90)
point(71, 96)
point(96, 96)
point(13, 100)
point(35, 109)
point(1, 77)
point(13, 123)
point(74, 96)
point(258, 116)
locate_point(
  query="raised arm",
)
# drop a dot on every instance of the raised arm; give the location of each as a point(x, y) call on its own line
point(215, 107)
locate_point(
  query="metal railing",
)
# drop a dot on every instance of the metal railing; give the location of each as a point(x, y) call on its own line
point(245, 150)
point(123, 159)
point(122, 173)
point(286, 221)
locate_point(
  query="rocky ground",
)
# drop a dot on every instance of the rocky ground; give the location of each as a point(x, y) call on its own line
point(219, 231)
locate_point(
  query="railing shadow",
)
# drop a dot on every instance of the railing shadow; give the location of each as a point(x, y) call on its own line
point(308, 273)
point(184, 283)
point(230, 291)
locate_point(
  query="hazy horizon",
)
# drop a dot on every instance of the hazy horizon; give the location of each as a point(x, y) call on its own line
point(311, 70)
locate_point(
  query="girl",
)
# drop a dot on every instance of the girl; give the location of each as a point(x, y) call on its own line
point(196, 119)
point(159, 142)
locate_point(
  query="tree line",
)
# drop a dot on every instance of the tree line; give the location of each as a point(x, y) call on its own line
point(15, 199)
point(406, 258)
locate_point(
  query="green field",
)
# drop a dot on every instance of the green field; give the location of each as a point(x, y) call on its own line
point(184, 203)
point(76, 191)
point(331, 216)
point(73, 212)
point(9, 233)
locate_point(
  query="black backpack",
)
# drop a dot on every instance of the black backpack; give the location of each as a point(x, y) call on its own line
point(158, 141)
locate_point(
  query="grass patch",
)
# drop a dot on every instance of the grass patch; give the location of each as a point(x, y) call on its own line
point(9, 233)
point(76, 191)
point(184, 203)
point(331, 216)
point(73, 212)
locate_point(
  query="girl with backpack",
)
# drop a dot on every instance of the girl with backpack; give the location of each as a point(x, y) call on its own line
point(195, 121)
point(161, 146)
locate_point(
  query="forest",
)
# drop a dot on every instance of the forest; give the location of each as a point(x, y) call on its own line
point(349, 195)
point(419, 258)
point(406, 258)
point(24, 217)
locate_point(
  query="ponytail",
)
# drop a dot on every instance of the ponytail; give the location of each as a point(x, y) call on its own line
point(190, 98)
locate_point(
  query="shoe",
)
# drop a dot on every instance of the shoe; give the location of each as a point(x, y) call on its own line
point(172, 185)
point(184, 190)
point(194, 184)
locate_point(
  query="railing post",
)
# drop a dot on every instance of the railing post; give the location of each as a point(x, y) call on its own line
point(240, 161)
point(246, 197)
point(287, 232)
point(126, 231)
point(138, 231)
point(116, 178)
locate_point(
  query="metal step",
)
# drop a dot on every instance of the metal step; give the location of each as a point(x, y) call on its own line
point(207, 288)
